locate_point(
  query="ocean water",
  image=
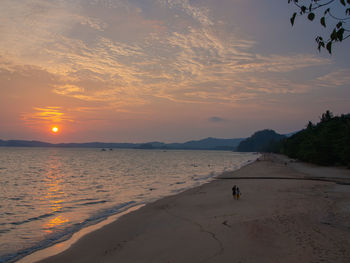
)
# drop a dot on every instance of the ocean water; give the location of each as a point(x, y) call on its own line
point(47, 194)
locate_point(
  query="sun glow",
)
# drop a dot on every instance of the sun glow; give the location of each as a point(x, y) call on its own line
point(54, 129)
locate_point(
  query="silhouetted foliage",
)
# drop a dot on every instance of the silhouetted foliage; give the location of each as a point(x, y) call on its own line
point(327, 116)
point(332, 15)
point(326, 143)
point(261, 141)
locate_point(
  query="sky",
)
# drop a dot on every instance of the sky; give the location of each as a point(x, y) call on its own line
point(162, 70)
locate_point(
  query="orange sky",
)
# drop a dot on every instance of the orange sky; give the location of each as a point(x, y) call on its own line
point(167, 70)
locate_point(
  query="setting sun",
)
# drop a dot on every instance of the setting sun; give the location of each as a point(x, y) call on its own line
point(54, 129)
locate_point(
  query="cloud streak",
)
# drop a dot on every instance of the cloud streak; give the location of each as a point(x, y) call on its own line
point(46, 115)
point(216, 119)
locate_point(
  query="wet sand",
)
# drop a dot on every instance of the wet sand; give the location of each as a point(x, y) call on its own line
point(276, 220)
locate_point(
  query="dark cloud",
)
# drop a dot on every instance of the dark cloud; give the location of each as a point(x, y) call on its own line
point(216, 119)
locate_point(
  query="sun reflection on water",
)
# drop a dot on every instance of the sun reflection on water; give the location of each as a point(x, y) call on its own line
point(53, 223)
point(55, 195)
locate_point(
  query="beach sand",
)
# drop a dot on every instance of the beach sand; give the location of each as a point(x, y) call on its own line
point(276, 220)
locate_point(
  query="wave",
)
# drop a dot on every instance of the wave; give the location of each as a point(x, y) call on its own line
point(29, 219)
point(95, 203)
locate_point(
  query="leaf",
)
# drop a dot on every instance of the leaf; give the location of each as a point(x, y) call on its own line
point(342, 2)
point(339, 25)
point(329, 47)
point(311, 16)
point(323, 21)
point(303, 9)
point(334, 35)
point(348, 1)
point(347, 11)
point(320, 43)
point(340, 34)
point(327, 11)
point(293, 18)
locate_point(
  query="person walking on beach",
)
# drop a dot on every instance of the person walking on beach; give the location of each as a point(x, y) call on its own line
point(234, 190)
point(238, 193)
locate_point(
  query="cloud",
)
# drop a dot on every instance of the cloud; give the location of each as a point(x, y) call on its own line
point(46, 115)
point(68, 90)
point(216, 119)
point(335, 78)
point(197, 13)
point(279, 63)
point(84, 46)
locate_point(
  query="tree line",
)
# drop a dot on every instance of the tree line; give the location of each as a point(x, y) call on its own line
point(324, 143)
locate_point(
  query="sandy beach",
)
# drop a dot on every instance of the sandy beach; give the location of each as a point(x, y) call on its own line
point(288, 212)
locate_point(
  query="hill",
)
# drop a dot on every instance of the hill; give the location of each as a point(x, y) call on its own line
point(204, 144)
point(261, 141)
point(208, 143)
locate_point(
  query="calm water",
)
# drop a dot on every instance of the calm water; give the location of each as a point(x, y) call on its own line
point(47, 194)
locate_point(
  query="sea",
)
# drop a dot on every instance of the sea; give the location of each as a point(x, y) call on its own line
point(48, 194)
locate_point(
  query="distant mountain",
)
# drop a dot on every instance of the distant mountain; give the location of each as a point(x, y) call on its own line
point(208, 144)
point(261, 141)
point(204, 144)
point(22, 143)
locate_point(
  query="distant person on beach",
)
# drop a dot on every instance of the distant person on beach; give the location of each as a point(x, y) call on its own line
point(238, 193)
point(234, 190)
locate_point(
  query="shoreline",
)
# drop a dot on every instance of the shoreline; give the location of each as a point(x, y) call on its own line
point(204, 224)
point(66, 244)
